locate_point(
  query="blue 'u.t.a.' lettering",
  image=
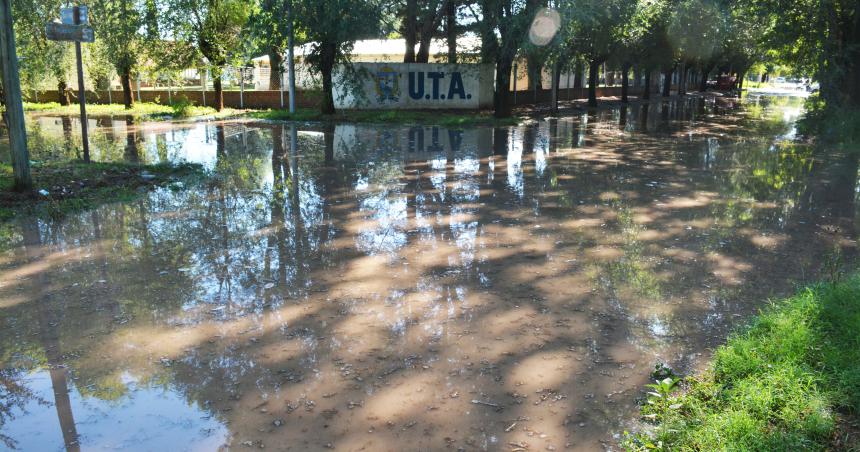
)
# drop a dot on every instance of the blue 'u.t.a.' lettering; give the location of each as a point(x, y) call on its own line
point(456, 87)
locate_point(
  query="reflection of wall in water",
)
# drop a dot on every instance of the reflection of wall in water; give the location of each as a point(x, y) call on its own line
point(411, 143)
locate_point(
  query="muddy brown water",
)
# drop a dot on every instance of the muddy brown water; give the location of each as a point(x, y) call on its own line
point(366, 287)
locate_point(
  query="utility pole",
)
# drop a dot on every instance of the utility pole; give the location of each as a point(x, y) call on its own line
point(290, 65)
point(14, 106)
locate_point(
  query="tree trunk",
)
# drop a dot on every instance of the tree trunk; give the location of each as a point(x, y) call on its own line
point(533, 69)
point(276, 64)
point(410, 30)
point(646, 90)
point(501, 105)
point(593, 67)
point(132, 154)
point(556, 78)
point(703, 82)
point(667, 83)
point(429, 24)
point(423, 50)
point(451, 30)
point(63, 92)
point(219, 93)
point(127, 95)
point(625, 70)
point(327, 67)
point(682, 80)
point(577, 76)
point(741, 76)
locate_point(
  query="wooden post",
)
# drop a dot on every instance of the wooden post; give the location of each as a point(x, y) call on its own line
point(14, 105)
point(82, 93)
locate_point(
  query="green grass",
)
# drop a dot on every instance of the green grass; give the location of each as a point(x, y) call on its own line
point(65, 187)
point(790, 381)
point(442, 118)
point(139, 111)
point(829, 124)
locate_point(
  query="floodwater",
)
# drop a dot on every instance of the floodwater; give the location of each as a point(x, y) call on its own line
point(371, 287)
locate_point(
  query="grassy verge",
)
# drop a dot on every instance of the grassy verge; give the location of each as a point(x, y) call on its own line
point(829, 124)
point(442, 118)
point(140, 111)
point(791, 381)
point(66, 187)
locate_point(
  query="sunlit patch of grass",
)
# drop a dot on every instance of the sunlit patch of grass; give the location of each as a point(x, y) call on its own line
point(139, 111)
point(782, 384)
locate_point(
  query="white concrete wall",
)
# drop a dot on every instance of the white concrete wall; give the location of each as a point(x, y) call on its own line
point(414, 86)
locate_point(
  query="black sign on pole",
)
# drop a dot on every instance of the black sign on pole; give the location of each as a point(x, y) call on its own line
point(75, 28)
point(69, 32)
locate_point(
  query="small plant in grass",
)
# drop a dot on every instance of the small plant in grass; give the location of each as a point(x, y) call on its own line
point(662, 390)
point(182, 107)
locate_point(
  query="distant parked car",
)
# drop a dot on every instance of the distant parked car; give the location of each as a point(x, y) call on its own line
point(779, 80)
point(725, 82)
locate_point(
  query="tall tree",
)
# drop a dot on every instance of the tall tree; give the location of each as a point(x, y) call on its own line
point(503, 27)
point(633, 47)
point(270, 31)
point(593, 28)
point(333, 26)
point(420, 24)
point(695, 34)
point(214, 28)
point(451, 29)
point(118, 25)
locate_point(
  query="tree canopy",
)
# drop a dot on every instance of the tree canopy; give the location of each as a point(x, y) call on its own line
point(816, 37)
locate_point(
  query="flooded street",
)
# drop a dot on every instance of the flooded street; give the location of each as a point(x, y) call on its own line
point(374, 287)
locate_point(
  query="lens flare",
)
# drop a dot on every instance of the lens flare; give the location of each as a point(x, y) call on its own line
point(544, 26)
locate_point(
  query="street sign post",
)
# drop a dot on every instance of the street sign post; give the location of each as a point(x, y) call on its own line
point(74, 27)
